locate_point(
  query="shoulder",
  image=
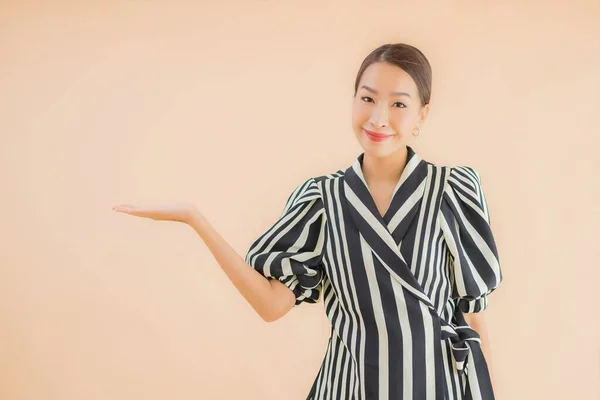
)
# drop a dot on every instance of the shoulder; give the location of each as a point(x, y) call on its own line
point(464, 190)
point(308, 193)
point(310, 187)
point(459, 178)
point(331, 176)
point(464, 177)
point(459, 172)
point(304, 191)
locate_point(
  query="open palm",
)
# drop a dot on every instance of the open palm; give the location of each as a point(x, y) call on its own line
point(180, 212)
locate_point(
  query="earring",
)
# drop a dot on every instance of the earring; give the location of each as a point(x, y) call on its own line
point(419, 128)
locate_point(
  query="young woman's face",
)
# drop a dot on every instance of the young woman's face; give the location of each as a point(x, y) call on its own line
point(387, 102)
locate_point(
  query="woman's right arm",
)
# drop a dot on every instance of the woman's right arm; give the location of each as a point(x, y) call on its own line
point(270, 298)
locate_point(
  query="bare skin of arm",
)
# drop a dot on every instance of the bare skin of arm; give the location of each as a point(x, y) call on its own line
point(477, 322)
point(270, 298)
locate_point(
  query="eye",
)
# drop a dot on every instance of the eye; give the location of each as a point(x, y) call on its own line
point(367, 99)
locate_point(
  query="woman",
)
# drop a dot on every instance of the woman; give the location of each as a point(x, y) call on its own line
point(400, 250)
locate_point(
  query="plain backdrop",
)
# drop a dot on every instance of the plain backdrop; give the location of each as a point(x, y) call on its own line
point(230, 105)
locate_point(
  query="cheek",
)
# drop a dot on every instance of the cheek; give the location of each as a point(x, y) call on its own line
point(359, 114)
point(402, 123)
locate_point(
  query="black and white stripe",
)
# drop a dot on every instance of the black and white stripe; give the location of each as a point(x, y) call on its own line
point(394, 287)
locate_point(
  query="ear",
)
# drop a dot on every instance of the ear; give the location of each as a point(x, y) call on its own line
point(424, 112)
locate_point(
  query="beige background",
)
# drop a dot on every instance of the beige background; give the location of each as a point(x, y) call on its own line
point(230, 107)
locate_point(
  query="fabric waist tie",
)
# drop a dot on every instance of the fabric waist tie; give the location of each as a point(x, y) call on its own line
point(465, 343)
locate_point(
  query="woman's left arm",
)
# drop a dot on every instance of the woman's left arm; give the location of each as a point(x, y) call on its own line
point(477, 322)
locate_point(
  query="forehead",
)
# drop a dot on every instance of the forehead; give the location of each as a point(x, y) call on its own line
point(386, 77)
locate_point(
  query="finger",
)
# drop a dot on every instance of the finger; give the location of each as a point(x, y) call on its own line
point(125, 208)
point(143, 212)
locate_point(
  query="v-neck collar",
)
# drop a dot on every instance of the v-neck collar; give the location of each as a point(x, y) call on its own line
point(384, 234)
point(409, 188)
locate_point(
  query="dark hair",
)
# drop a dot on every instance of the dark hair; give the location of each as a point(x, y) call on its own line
point(408, 58)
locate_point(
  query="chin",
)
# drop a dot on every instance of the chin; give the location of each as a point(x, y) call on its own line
point(381, 149)
point(377, 150)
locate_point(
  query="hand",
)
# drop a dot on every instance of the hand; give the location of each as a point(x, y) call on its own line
point(179, 212)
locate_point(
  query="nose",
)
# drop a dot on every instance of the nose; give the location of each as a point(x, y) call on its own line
point(379, 116)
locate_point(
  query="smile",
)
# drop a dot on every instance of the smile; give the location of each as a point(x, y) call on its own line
point(376, 137)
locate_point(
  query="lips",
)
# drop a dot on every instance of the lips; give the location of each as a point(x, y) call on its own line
point(377, 135)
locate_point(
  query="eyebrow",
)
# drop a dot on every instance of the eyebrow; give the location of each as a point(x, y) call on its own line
point(370, 89)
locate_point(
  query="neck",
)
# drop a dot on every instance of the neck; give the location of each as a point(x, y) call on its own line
point(384, 169)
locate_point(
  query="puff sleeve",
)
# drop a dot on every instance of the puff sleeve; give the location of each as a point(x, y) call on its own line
point(291, 250)
point(475, 268)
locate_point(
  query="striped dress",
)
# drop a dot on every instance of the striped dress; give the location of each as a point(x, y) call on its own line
point(395, 287)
